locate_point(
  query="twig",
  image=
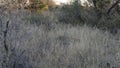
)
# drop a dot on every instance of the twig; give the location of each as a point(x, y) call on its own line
point(5, 35)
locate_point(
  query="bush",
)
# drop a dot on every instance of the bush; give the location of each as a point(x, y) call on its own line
point(72, 13)
point(46, 19)
point(77, 14)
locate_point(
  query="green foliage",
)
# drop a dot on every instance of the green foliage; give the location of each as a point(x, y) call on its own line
point(96, 17)
point(102, 3)
point(73, 13)
point(111, 22)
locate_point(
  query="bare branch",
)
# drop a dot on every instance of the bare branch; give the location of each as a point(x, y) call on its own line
point(5, 34)
point(115, 4)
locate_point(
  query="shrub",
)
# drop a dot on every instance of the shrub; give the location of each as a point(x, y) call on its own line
point(72, 13)
point(76, 14)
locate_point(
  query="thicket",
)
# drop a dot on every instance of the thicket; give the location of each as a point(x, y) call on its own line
point(103, 14)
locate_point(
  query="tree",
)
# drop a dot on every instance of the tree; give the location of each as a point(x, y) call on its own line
point(103, 5)
point(113, 6)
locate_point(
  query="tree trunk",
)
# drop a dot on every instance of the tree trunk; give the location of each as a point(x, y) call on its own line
point(94, 3)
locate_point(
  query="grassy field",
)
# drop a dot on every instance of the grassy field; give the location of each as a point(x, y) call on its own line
point(42, 41)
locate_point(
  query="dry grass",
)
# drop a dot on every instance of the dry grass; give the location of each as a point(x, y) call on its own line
point(64, 46)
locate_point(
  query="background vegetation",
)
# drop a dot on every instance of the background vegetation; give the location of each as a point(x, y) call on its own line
point(103, 14)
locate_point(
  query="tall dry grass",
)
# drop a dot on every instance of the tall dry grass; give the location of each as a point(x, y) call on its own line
point(56, 45)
